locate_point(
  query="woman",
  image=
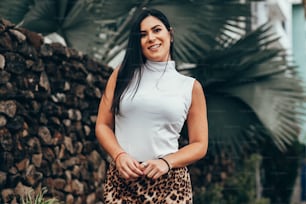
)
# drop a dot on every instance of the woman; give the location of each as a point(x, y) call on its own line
point(141, 114)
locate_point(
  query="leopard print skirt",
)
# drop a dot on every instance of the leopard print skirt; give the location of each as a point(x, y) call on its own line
point(171, 188)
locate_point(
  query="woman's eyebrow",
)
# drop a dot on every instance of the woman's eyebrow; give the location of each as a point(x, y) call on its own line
point(142, 31)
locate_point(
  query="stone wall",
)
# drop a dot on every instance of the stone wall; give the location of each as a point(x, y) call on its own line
point(49, 96)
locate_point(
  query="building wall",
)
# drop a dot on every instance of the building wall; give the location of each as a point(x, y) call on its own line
point(299, 46)
point(279, 15)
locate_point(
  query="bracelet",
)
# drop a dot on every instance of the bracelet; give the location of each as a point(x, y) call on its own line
point(120, 153)
point(169, 167)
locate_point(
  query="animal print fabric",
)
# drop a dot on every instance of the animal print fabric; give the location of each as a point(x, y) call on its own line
point(171, 188)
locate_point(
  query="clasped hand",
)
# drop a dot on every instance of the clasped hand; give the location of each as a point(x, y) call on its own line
point(131, 169)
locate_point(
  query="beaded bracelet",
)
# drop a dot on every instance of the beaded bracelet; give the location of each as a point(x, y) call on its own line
point(116, 158)
point(169, 167)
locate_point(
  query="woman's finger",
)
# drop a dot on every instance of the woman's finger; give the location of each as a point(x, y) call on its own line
point(129, 166)
point(154, 174)
point(136, 167)
point(134, 170)
point(154, 168)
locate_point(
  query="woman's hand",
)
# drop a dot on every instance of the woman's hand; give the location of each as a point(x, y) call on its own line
point(154, 168)
point(128, 167)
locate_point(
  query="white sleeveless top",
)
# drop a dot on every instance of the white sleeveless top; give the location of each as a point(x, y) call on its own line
point(151, 120)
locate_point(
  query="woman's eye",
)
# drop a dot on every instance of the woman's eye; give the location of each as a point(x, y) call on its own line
point(142, 35)
point(157, 30)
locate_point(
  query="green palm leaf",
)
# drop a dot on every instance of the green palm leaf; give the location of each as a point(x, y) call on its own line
point(69, 18)
point(14, 10)
point(78, 22)
point(249, 71)
point(192, 22)
point(42, 17)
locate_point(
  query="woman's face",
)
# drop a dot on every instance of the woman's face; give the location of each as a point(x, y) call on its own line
point(155, 39)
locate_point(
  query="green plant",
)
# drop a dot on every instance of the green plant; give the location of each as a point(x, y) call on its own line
point(239, 188)
point(212, 194)
point(31, 198)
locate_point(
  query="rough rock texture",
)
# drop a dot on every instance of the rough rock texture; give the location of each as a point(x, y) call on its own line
point(49, 96)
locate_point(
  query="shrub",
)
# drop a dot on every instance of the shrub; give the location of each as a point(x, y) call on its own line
point(31, 198)
point(239, 188)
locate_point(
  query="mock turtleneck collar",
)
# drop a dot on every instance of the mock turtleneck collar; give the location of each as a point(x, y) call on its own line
point(160, 66)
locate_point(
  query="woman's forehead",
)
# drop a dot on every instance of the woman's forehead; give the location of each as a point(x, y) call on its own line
point(149, 23)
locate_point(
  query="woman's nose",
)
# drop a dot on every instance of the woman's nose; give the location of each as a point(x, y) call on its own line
point(151, 37)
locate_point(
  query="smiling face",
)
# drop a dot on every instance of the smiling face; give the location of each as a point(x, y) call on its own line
point(155, 40)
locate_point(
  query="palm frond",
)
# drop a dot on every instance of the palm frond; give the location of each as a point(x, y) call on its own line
point(70, 18)
point(262, 78)
point(79, 22)
point(42, 17)
point(15, 10)
point(112, 9)
point(198, 22)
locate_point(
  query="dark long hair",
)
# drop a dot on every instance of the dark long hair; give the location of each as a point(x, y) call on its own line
point(134, 60)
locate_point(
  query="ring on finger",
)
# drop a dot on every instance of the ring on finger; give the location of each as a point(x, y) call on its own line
point(144, 164)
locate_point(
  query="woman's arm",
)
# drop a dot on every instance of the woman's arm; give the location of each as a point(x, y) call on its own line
point(197, 131)
point(127, 166)
point(105, 120)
